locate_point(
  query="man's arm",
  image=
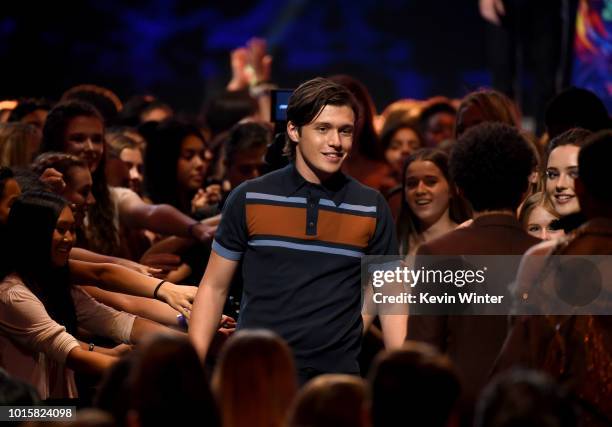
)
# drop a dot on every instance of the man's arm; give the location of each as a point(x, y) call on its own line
point(393, 324)
point(209, 301)
point(394, 328)
point(431, 329)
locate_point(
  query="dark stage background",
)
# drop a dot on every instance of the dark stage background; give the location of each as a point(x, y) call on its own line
point(179, 50)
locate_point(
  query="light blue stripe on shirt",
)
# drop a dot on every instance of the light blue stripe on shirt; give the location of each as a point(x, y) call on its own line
point(274, 198)
point(302, 200)
point(347, 206)
point(306, 247)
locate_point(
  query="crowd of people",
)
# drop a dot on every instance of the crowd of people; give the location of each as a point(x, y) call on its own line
point(112, 213)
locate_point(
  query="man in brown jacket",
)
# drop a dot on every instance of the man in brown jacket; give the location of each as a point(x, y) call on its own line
point(490, 164)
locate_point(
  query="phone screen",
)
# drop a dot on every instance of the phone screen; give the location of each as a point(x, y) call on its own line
point(280, 99)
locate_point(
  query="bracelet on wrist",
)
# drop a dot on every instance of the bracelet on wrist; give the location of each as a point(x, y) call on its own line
point(182, 322)
point(157, 289)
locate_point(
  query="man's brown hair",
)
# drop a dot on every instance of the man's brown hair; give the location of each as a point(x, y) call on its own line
point(307, 101)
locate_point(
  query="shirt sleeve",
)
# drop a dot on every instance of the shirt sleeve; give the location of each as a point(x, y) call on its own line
point(384, 241)
point(24, 319)
point(232, 236)
point(123, 197)
point(101, 319)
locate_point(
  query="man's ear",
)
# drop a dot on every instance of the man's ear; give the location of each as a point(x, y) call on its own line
point(293, 132)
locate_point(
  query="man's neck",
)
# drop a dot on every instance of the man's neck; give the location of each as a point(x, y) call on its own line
point(308, 174)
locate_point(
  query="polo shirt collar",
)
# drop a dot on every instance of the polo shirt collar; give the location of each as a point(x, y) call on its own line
point(334, 188)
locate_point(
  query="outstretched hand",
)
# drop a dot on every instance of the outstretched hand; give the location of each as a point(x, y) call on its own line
point(178, 297)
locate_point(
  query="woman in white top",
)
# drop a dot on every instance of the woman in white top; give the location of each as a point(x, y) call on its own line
point(40, 310)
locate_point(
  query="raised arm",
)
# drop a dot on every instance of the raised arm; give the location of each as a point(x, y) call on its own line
point(209, 302)
point(120, 279)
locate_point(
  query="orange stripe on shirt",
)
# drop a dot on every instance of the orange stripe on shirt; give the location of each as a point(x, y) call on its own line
point(332, 227)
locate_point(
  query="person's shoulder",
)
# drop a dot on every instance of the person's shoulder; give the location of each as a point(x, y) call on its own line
point(357, 186)
point(11, 280)
point(12, 288)
point(446, 242)
point(122, 191)
point(122, 194)
point(257, 185)
point(266, 181)
point(360, 194)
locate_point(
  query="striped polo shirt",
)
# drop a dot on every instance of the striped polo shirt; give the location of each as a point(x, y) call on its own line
point(301, 246)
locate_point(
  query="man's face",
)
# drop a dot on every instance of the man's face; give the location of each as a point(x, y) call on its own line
point(246, 165)
point(324, 143)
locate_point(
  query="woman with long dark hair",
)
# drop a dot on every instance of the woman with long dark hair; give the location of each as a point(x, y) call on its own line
point(176, 163)
point(430, 204)
point(40, 310)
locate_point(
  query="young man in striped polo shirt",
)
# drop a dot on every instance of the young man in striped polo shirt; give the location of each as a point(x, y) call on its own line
point(300, 233)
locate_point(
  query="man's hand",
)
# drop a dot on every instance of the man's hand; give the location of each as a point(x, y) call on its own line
point(208, 303)
point(492, 10)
